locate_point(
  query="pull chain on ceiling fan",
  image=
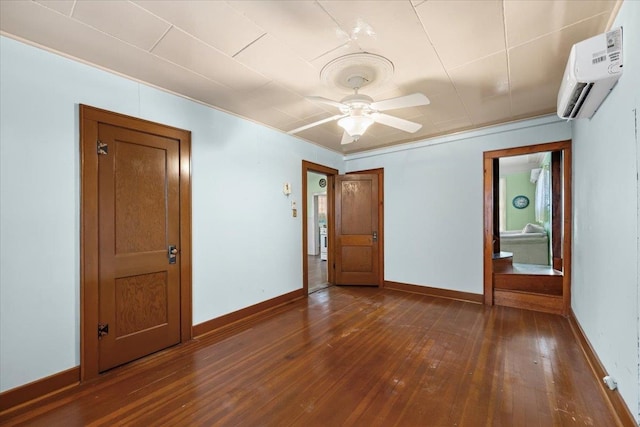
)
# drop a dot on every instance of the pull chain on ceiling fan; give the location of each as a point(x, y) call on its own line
point(359, 111)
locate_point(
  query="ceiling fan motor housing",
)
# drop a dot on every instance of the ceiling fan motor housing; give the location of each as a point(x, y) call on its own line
point(356, 101)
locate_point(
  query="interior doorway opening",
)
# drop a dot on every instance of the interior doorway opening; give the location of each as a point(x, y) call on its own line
point(317, 231)
point(527, 258)
point(317, 226)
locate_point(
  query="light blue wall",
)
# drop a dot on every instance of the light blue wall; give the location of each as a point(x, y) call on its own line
point(433, 201)
point(606, 220)
point(238, 171)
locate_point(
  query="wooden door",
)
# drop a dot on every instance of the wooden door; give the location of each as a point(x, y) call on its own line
point(139, 219)
point(356, 230)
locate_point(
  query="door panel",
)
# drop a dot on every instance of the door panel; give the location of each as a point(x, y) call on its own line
point(136, 231)
point(356, 258)
point(139, 290)
point(356, 204)
point(131, 316)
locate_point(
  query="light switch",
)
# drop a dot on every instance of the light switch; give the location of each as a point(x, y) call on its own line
point(286, 189)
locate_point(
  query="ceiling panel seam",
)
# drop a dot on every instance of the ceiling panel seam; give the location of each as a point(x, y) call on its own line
point(506, 49)
point(248, 45)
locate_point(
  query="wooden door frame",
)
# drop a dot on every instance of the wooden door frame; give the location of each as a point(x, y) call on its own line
point(90, 117)
point(330, 172)
point(488, 202)
point(380, 173)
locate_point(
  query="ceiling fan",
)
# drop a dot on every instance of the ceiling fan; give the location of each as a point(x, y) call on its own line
point(359, 111)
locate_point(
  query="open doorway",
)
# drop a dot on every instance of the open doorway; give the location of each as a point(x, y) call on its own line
point(317, 255)
point(527, 227)
point(524, 207)
point(317, 227)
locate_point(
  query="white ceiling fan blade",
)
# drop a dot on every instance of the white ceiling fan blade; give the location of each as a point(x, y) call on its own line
point(319, 122)
point(412, 100)
point(347, 139)
point(327, 101)
point(396, 122)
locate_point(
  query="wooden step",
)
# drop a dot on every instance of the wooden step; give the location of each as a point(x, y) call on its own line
point(528, 300)
point(533, 283)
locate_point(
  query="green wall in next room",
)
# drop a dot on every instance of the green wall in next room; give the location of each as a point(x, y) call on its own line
point(519, 184)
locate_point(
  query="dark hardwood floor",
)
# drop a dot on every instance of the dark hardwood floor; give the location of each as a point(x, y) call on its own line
point(351, 356)
point(317, 273)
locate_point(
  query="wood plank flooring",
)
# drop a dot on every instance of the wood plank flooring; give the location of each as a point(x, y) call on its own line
point(351, 356)
point(318, 274)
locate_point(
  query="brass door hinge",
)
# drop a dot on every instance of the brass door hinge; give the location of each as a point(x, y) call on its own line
point(103, 330)
point(103, 148)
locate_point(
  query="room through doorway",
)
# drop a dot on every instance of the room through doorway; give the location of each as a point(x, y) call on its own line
point(317, 231)
point(524, 205)
point(317, 226)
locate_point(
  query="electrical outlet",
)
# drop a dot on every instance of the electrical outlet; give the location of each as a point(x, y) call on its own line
point(294, 212)
point(610, 382)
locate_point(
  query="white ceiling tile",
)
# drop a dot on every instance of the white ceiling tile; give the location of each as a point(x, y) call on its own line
point(182, 49)
point(463, 31)
point(304, 26)
point(15, 17)
point(214, 22)
point(446, 106)
point(483, 86)
point(534, 101)
point(41, 25)
point(529, 19)
point(63, 6)
point(281, 64)
point(122, 20)
point(273, 95)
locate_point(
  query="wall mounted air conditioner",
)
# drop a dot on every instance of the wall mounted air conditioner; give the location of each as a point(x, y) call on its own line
point(593, 68)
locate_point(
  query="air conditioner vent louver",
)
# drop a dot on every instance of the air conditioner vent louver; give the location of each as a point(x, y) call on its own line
point(580, 93)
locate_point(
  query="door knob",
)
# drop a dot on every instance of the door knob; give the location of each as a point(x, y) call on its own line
point(375, 236)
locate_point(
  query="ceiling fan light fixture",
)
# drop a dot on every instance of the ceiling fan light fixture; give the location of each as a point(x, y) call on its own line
point(355, 126)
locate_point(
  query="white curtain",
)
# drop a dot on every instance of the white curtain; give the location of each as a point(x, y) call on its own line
point(543, 197)
point(502, 192)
